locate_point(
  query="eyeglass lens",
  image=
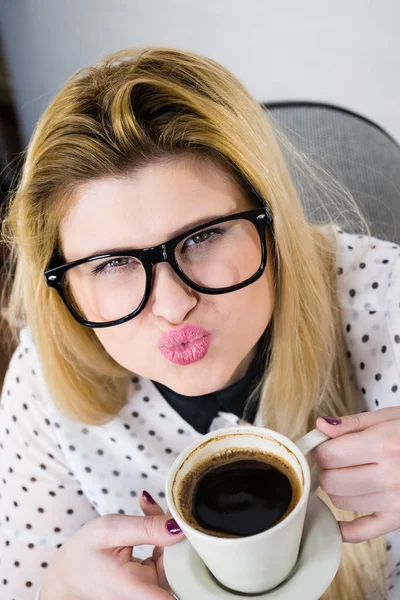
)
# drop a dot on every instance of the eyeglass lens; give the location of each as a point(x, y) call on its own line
point(220, 256)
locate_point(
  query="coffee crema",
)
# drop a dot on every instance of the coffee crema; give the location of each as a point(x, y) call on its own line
point(238, 492)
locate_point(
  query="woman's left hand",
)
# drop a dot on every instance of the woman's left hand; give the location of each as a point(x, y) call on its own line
point(361, 470)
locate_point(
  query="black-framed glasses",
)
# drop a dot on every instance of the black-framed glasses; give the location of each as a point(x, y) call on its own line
point(220, 256)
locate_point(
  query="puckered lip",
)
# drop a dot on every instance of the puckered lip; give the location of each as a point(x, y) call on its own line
point(182, 335)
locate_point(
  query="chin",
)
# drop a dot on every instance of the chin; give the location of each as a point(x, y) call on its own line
point(199, 384)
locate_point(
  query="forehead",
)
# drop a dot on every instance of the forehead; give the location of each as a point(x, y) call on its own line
point(147, 207)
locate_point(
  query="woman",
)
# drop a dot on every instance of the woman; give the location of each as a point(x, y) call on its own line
point(166, 282)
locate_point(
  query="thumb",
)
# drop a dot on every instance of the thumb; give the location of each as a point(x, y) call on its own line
point(335, 427)
point(115, 530)
point(332, 426)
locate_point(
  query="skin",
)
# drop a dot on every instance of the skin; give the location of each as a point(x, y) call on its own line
point(120, 213)
point(96, 562)
point(360, 471)
point(359, 463)
point(149, 208)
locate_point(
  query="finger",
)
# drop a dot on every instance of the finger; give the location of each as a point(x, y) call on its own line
point(353, 481)
point(369, 527)
point(145, 592)
point(378, 502)
point(162, 578)
point(123, 530)
point(149, 506)
point(124, 554)
point(357, 422)
point(353, 449)
point(157, 553)
point(159, 550)
point(143, 579)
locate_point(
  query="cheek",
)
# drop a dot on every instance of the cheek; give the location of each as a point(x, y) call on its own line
point(249, 309)
point(242, 315)
point(119, 341)
point(263, 304)
point(259, 298)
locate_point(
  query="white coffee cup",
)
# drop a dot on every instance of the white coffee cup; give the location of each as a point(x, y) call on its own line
point(255, 563)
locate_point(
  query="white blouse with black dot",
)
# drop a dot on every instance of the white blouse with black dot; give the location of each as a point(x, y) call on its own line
point(56, 474)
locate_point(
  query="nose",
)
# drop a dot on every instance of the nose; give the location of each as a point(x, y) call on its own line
point(171, 298)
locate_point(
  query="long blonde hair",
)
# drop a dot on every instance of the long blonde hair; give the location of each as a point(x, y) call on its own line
point(145, 104)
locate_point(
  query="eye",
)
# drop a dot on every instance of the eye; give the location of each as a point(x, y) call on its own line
point(198, 238)
point(116, 264)
point(120, 261)
point(201, 237)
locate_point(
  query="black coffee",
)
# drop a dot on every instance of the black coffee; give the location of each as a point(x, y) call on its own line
point(235, 495)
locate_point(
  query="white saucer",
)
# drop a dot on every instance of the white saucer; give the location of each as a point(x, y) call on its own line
point(319, 559)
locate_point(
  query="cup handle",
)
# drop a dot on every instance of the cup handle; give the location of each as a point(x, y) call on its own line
point(308, 442)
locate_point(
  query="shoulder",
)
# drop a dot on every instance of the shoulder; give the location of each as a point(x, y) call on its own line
point(367, 269)
point(368, 287)
point(24, 358)
point(22, 379)
point(24, 407)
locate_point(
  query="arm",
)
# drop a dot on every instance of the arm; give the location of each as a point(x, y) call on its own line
point(41, 503)
point(393, 318)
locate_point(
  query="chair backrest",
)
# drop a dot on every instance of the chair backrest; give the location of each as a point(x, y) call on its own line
point(356, 151)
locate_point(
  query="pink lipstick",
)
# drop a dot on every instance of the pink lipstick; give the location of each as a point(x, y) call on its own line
point(185, 345)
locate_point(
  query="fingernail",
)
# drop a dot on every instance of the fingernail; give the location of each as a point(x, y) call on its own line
point(333, 420)
point(173, 527)
point(148, 498)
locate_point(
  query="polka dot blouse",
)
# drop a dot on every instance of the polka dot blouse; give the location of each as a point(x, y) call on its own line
point(56, 474)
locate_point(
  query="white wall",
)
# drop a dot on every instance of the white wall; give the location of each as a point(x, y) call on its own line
point(344, 52)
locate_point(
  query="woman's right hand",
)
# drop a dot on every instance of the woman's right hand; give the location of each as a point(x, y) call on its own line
point(96, 562)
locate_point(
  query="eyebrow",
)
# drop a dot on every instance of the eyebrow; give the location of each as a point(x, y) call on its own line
point(186, 227)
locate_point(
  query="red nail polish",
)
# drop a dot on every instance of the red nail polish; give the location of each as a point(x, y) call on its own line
point(148, 498)
point(333, 420)
point(173, 527)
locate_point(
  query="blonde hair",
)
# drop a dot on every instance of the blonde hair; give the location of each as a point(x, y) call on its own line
point(146, 104)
